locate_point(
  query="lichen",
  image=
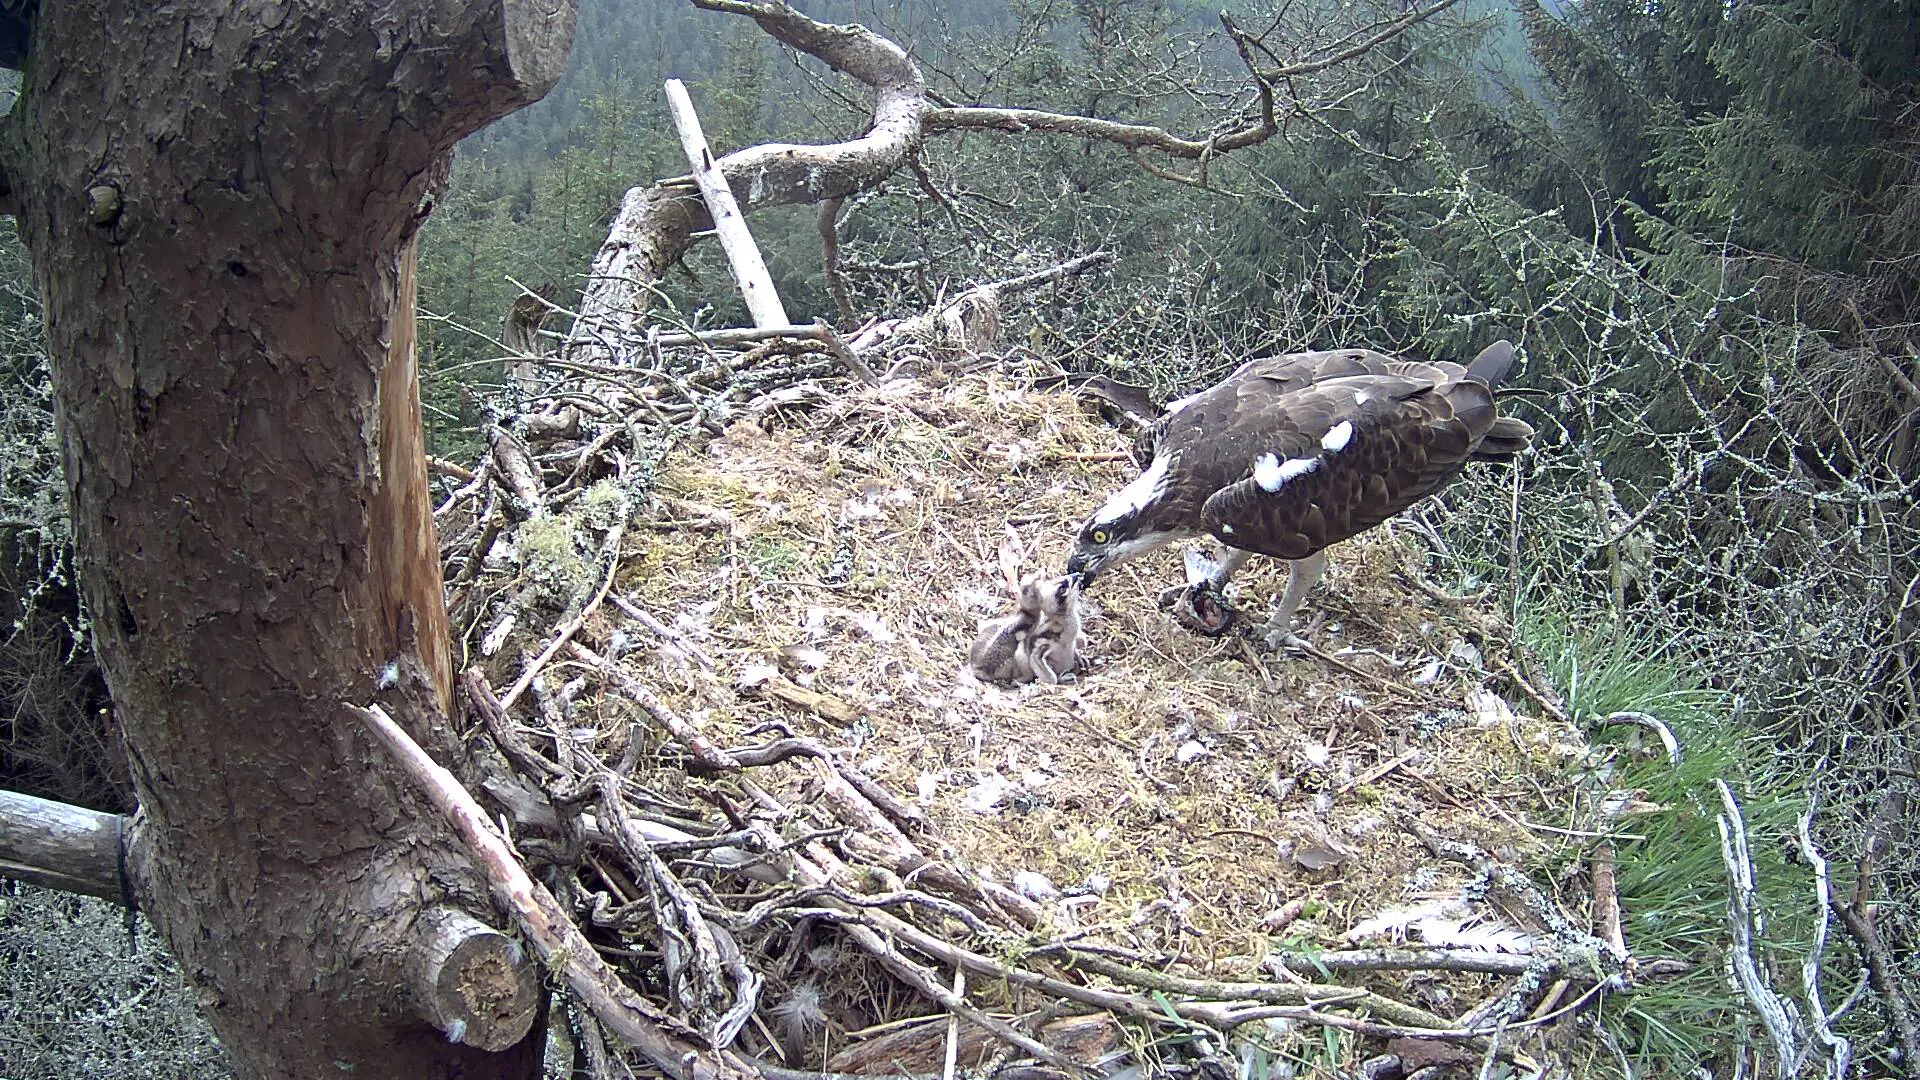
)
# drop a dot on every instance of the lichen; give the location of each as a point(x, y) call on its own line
point(550, 557)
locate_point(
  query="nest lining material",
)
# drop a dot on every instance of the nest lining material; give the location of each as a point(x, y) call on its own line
point(1174, 795)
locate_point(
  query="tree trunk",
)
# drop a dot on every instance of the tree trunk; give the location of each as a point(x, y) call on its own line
point(218, 197)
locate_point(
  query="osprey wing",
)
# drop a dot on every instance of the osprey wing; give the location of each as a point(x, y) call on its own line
point(1350, 453)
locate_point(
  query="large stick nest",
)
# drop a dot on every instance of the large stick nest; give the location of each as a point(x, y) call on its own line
point(1181, 839)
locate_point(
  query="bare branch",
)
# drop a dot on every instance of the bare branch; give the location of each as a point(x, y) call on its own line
point(1131, 136)
point(1387, 33)
point(1777, 1014)
point(656, 224)
point(671, 1045)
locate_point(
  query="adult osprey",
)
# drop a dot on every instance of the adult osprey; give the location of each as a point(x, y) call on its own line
point(1292, 453)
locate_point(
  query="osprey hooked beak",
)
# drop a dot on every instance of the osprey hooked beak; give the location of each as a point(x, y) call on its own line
point(1102, 543)
point(1084, 565)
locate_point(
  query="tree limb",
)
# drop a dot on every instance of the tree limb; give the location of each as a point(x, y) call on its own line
point(656, 224)
point(58, 846)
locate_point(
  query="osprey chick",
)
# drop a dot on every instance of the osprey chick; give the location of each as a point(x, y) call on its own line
point(1290, 454)
point(1040, 640)
point(1053, 647)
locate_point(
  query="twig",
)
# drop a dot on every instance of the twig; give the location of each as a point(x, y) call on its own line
point(1648, 720)
point(447, 468)
point(708, 755)
point(1552, 707)
point(515, 471)
point(571, 626)
point(1857, 917)
point(1606, 899)
point(472, 488)
point(1378, 771)
point(668, 1043)
point(678, 642)
point(780, 688)
point(903, 814)
point(921, 980)
point(844, 353)
point(702, 958)
point(500, 726)
point(830, 268)
point(594, 1045)
point(1475, 960)
point(1777, 1015)
point(953, 1026)
point(1839, 1051)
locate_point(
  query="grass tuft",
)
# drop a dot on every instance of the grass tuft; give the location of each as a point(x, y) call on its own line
point(1673, 884)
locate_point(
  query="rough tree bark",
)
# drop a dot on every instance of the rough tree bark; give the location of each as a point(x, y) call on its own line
point(220, 201)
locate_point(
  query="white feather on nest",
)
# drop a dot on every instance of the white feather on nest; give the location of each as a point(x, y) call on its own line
point(1448, 923)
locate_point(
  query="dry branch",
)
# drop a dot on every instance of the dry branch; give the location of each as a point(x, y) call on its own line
point(514, 469)
point(655, 225)
point(672, 1046)
point(1777, 1014)
point(1839, 1052)
point(743, 255)
point(971, 319)
point(707, 755)
point(1857, 916)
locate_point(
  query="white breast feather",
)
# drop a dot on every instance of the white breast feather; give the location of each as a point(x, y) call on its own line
point(1181, 403)
point(1337, 437)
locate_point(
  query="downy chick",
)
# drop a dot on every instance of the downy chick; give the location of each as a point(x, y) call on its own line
point(1052, 645)
point(1000, 653)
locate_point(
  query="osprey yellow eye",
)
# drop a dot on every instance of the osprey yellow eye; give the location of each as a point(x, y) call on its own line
point(1099, 536)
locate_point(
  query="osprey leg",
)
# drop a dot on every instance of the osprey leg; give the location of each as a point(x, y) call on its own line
point(1300, 581)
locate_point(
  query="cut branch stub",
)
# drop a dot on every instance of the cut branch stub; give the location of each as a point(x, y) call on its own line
point(664, 1040)
point(58, 846)
point(539, 36)
point(473, 982)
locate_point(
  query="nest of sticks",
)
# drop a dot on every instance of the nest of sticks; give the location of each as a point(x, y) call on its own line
point(716, 619)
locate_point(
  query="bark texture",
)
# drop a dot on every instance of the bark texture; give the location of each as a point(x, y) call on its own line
point(217, 197)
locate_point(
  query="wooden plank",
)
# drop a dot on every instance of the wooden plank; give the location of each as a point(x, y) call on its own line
point(749, 269)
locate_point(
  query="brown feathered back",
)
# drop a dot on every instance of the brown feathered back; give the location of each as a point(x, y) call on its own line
point(1290, 454)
